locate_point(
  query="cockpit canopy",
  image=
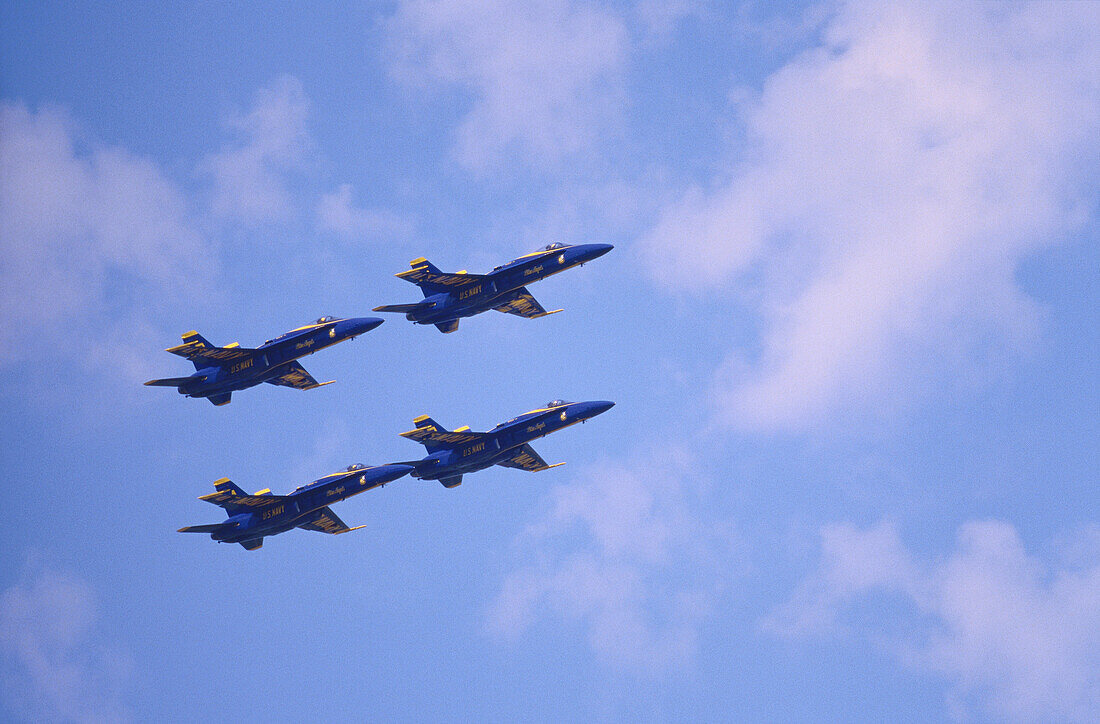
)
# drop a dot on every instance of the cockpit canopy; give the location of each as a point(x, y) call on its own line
point(557, 403)
point(555, 245)
point(322, 320)
point(356, 466)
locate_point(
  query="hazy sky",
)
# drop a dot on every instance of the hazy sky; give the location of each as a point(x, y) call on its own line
point(851, 325)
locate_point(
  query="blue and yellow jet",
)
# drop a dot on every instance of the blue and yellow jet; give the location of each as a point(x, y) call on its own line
point(450, 297)
point(221, 371)
point(453, 453)
point(253, 517)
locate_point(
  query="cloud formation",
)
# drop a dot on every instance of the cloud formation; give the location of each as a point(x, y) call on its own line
point(54, 666)
point(338, 214)
point(74, 223)
point(250, 175)
point(629, 558)
point(544, 76)
point(1009, 633)
point(892, 181)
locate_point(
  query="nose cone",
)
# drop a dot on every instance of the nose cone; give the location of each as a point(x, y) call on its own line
point(586, 410)
point(588, 252)
point(357, 326)
point(388, 473)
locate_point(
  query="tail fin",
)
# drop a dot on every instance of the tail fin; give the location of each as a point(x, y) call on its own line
point(194, 339)
point(225, 494)
point(225, 484)
point(425, 271)
point(426, 423)
point(432, 281)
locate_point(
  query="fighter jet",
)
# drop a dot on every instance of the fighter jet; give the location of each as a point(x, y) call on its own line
point(221, 371)
point(252, 517)
point(450, 297)
point(453, 453)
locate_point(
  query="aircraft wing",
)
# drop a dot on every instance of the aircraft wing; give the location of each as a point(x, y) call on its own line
point(295, 375)
point(524, 305)
point(325, 521)
point(197, 351)
point(525, 458)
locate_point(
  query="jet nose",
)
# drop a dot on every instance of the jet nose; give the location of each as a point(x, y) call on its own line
point(591, 409)
point(588, 252)
point(357, 326)
point(388, 473)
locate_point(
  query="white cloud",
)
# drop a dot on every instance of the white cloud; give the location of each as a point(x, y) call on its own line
point(55, 668)
point(1008, 633)
point(250, 175)
point(623, 552)
point(74, 225)
point(545, 76)
point(337, 213)
point(893, 179)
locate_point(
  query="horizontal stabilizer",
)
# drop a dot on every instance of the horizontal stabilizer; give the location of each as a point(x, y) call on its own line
point(451, 482)
point(222, 399)
point(174, 381)
point(404, 308)
point(251, 545)
point(209, 528)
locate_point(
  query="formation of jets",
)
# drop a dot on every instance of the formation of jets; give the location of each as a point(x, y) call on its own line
point(221, 371)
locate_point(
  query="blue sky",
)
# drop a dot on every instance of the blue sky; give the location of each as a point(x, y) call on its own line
point(850, 325)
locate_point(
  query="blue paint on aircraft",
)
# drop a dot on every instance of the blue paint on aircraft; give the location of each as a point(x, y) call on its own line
point(453, 453)
point(450, 297)
point(254, 517)
point(221, 371)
